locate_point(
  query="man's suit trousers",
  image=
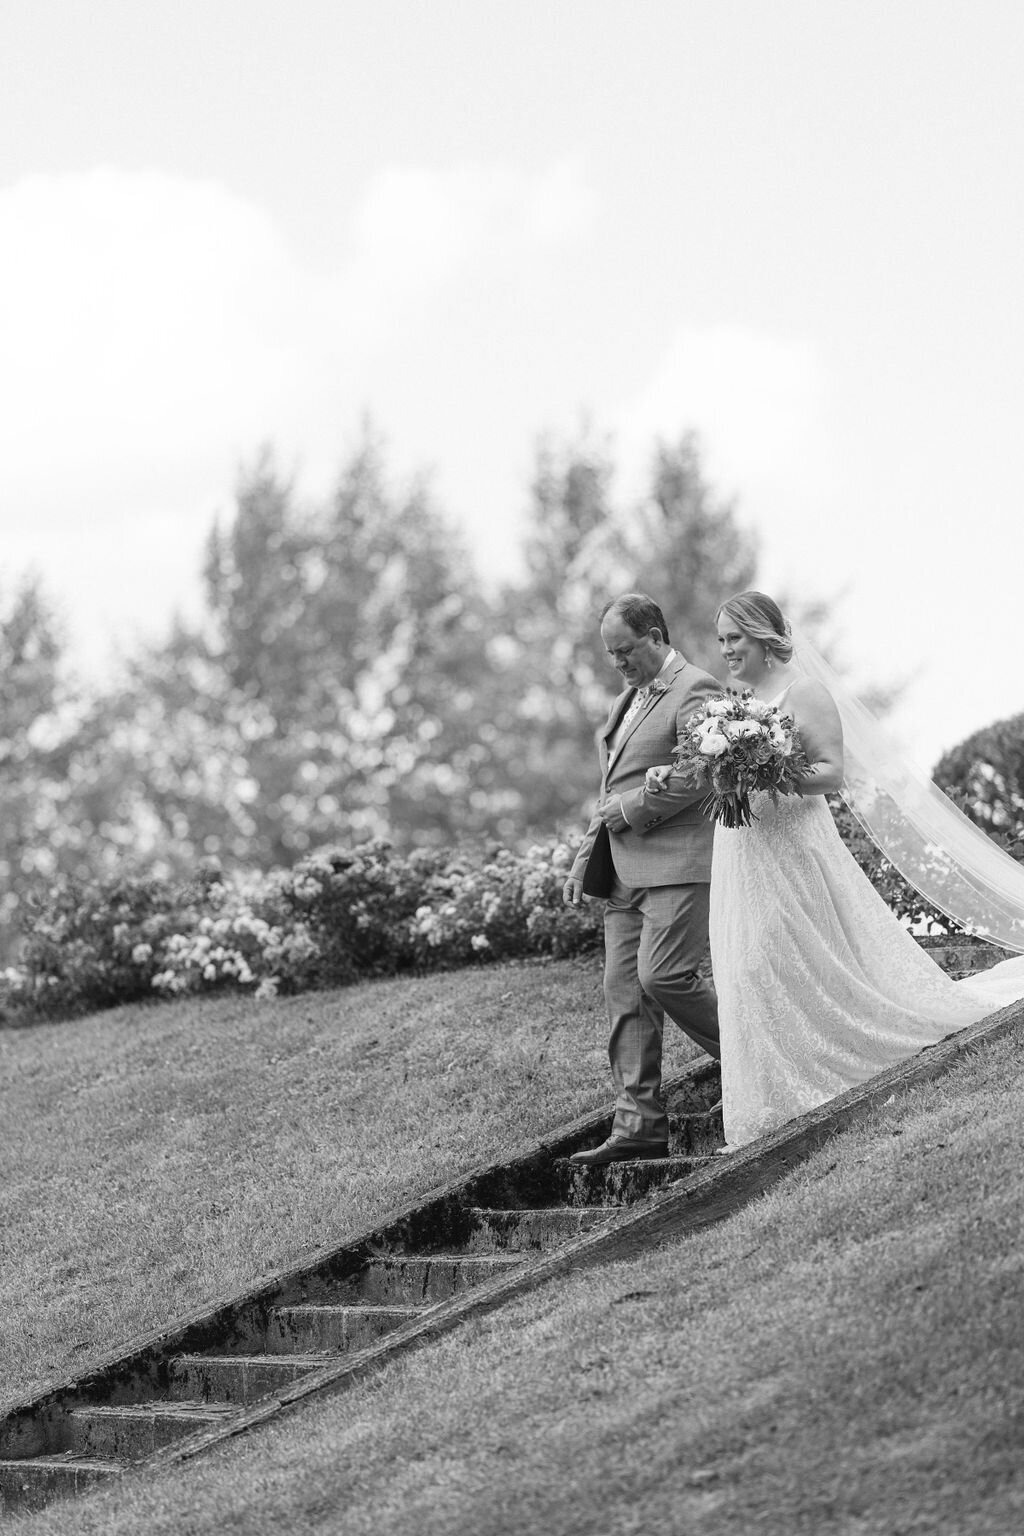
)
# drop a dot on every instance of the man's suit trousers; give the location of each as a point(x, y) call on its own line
point(655, 939)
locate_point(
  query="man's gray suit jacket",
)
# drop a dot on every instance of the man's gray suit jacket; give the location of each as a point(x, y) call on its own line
point(668, 840)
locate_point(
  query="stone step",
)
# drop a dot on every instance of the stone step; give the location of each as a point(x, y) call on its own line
point(620, 1183)
point(38, 1480)
point(421, 1280)
point(960, 955)
point(237, 1379)
point(130, 1431)
point(333, 1329)
point(695, 1094)
point(695, 1134)
point(511, 1231)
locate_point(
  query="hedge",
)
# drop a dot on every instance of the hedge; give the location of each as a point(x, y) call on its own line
point(339, 916)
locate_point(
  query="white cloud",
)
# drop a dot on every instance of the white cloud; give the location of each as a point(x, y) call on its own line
point(156, 330)
point(560, 204)
point(753, 398)
point(418, 226)
point(145, 320)
point(418, 233)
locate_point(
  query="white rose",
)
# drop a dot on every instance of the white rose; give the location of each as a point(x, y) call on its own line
point(735, 729)
point(712, 743)
point(717, 707)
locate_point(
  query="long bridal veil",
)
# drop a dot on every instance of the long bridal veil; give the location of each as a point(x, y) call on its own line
point(942, 854)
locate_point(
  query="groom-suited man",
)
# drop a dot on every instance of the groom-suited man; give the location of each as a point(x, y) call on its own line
point(656, 918)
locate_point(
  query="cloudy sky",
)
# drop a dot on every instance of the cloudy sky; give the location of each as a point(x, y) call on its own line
point(794, 225)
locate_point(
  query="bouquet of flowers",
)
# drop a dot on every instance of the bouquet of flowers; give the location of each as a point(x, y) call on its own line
point(733, 745)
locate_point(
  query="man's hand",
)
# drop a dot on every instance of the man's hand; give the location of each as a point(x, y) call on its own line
point(657, 778)
point(611, 814)
point(572, 892)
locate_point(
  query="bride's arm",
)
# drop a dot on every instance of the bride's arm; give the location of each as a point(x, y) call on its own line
point(817, 719)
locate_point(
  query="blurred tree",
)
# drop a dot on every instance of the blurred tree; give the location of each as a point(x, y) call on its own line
point(680, 544)
point(545, 648)
point(349, 679)
point(685, 544)
point(40, 716)
point(30, 735)
point(332, 691)
point(395, 605)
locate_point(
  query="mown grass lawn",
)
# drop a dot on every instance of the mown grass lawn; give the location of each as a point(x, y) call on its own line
point(845, 1355)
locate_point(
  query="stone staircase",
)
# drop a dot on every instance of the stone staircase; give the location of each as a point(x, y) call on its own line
point(321, 1325)
point(471, 1246)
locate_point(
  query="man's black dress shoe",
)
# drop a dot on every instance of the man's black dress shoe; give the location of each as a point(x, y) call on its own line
point(619, 1149)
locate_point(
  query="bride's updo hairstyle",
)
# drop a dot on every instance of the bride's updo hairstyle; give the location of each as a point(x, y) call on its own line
point(760, 617)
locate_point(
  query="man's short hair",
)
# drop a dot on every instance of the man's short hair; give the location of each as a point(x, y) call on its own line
point(639, 611)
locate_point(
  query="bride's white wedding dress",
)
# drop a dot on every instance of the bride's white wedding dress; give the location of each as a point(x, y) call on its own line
point(819, 985)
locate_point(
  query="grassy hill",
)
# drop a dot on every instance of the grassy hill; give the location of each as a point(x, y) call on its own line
point(844, 1355)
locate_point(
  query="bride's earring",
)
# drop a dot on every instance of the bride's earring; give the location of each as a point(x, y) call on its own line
point(768, 658)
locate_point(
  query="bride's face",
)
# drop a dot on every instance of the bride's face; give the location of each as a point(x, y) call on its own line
point(743, 656)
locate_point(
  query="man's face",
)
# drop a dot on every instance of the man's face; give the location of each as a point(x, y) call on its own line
point(638, 657)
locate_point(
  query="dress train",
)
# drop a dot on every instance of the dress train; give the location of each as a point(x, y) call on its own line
point(820, 987)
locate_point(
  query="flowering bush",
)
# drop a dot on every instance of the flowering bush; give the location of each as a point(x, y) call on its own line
point(243, 936)
point(338, 916)
point(355, 905)
point(93, 944)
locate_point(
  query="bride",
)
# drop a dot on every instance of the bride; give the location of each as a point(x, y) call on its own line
point(819, 985)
